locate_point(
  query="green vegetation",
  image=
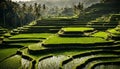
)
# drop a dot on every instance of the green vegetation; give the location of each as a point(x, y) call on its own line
point(26, 44)
point(24, 40)
point(36, 47)
point(13, 62)
point(88, 36)
point(104, 18)
point(114, 31)
point(40, 54)
point(2, 31)
point(76, 29)
point(4, 53)
point(32, 23)
point(75, 40)
point(92, 64)
point(31, 36)
point(114, 65)
point(81, 60)
point(101, 34)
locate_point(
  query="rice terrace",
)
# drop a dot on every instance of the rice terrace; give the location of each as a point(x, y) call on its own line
point(59, 34)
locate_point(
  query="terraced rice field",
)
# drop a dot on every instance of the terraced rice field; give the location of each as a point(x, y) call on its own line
point(51, 63)
point(39, 46)
point(13, 62)
point(7, 52)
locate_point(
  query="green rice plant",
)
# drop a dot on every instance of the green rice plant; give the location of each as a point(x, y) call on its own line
point(36, 46)
point(21, 44)
point(107, 65)
point(81, 58)
point(73, 40)
point(13, 62)
point(22, 40)
point(92, 64)
point(95, 57)
point(114, 31)
point(101, 34)
point(32, 23)
point(31, 36)
point(4, 53)
point(104, 18)
point(76, 29)
point(36, 53)
point(26, 53)
point(7, 35)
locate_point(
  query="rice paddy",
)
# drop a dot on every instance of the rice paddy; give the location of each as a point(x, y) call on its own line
point(62, 43)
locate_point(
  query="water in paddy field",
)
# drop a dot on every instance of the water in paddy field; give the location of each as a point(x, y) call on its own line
point(74, 62)
point(25, 63)
point(108, 67)
point(51, 63)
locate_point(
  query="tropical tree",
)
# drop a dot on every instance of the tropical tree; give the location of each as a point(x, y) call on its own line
point(23, 14)
point(80, 6)
point(14, 15)
point(39, 10)
point(39, 7)
point(30, 9)
point(4, 7)
point(75, 9)
point(44, 6)
point(110, 1)
point(24, 8)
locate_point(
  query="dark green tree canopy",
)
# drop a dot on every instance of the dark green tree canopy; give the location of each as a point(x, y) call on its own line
point(110, 1)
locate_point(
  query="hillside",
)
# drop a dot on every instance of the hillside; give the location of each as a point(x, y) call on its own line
point(65, 42)
point(97, 11)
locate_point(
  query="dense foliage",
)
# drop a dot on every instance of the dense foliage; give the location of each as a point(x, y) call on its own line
point(13, 14)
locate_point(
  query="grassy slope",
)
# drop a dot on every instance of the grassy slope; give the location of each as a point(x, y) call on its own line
point(33, 35)
point(7, 52)
point(104, 18)
point(55, 53)
point(99, 12)
point(11, 63)
point(114, 32)
point(55, 41)
point(27, 39)
point(36, 46)
point(66, 40)
point(82, 29)
point(101, 34)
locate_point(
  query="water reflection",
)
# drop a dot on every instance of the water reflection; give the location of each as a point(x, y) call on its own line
point(75, 62)
point(51, 63)
point(25, 63)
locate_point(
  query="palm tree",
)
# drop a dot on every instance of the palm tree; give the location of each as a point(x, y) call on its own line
point(75, 9)
point(15, 10)
point(39, 10)
point(24, 7)
point(80, 6)
point(36, 10)
point(30, 9)
point(44, 6)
